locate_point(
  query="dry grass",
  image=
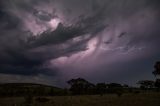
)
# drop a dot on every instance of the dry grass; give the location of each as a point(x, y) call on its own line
point(147, 99)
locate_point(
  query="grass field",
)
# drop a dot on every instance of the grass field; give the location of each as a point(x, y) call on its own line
point(146, 99)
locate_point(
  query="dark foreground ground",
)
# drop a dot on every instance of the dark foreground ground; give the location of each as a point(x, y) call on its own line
point(145, 99)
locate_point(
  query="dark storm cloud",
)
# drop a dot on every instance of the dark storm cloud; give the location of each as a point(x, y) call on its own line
point(23, 55)
point(8, 21)
point(28, 43)
point(60, 35)
point(43, 15)
point(134, 35)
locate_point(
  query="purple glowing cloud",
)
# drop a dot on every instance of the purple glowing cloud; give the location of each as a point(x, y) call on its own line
point(59, 39)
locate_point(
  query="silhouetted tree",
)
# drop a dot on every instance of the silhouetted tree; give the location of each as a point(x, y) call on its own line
point(156, 72)
point(114, 87)
point(101, 88)
point(157, 83)
point(125, 86)
point(80, 86)
point(157, 68)
point(145, 84)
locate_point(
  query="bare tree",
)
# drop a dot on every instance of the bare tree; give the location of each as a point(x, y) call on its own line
point(156, 72)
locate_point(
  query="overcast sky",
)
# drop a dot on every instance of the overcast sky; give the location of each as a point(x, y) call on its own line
point(52, 41)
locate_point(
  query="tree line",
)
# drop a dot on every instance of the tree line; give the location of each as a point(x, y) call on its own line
point(80, 86)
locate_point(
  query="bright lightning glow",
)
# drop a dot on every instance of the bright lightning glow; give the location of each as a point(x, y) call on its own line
point(54, 23)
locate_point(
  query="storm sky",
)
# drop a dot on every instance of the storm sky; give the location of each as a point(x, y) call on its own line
point(52, 41)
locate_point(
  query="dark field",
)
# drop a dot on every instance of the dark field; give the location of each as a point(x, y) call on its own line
point(142, 99)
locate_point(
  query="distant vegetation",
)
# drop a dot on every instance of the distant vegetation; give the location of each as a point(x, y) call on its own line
point(30, 93)
point(80, 86)
point(21, 89)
